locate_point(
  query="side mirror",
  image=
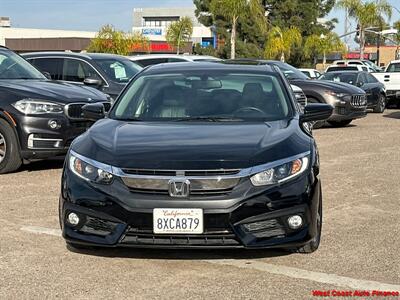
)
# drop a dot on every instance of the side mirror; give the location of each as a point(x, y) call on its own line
point(360, 84)
point(93, 111)
point(47, 75)
point(316, 112)
point(92, 81)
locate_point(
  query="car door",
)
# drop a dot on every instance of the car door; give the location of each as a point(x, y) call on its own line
point(375, 86)
point(367, 87)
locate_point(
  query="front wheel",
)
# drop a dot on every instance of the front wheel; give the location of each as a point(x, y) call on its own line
point(340, 123)
point(10, 158)
point(381, 105)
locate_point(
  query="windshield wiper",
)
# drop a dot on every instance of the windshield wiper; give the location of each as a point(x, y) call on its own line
point(208, 118)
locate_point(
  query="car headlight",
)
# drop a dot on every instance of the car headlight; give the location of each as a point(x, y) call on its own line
point(280, 173)
point(90, 170)
point(37, 106)
point(339, 95)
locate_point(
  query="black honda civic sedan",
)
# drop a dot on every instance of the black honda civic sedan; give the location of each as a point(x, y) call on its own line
point(197, 155)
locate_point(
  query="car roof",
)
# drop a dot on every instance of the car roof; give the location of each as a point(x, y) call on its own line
point(395, 61)
point(188, 57)
point(348, 72)
point(73, 54)
point(307, 69)
point(212, 66)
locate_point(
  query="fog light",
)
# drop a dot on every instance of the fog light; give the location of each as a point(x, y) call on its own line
point(73, 219)
point(53, 124)
point(295, 221)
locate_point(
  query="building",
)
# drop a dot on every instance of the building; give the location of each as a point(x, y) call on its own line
point(153, 23)
point(29, 39)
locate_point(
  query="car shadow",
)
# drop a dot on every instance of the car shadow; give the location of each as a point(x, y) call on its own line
point(393, 115)
point(181, 254)
point(41, 165)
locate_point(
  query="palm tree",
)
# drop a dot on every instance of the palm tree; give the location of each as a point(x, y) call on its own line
point(396, 25)
point(316, 45)
point(179, 32)
point(366, 14)
point(232, 10)
point(280, 42)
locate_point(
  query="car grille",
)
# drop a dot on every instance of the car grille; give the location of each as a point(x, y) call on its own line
point(199, 187)
point(74, 110)
point(358, 100)
point(222, 238)
point(301, 98)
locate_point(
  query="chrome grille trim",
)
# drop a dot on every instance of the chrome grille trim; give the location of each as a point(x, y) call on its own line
point(196, 185)
point(242, 173)
point(358, 100)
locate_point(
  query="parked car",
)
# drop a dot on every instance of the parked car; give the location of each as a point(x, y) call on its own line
point(107, 72)
point(375, 90)
point(351, 62)
point(349, 102)
point(391, 79)
point(337, 68)
point(154, 59)
point(312, 73)
point(39, 118)
point(176, 175)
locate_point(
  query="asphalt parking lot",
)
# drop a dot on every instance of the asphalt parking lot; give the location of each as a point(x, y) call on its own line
point(359, 249)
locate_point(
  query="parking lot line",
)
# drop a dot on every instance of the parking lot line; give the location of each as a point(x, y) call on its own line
point(41, 230)
point(327, 278)
point(333, 279)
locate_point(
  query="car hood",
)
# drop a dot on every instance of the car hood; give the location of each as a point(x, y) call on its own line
point(52, 90)
point(338, 87)
point(191, 145)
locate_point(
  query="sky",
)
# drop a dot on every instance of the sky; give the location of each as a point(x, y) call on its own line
point(90, 15)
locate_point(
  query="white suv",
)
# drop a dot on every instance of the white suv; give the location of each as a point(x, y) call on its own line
point(154, 59)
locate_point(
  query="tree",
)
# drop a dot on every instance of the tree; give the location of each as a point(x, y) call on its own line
point(396, 25)
point(366, 14)
point(280, 42)
point(110, 40)
point(316, 45)
point(179, 32)
point(232, 10)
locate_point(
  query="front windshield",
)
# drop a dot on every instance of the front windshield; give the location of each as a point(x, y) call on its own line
point(212, 96)
point(291, 73)
point(13, 66)
point(350, 78)
point(120, 71)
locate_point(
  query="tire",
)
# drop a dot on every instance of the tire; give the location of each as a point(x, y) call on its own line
point(313, 245)
point(10, 157)
point(381, 105)
point(340, 123)
point(317, 124)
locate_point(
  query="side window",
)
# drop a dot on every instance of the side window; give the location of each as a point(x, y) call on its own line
point(77, 70)
point(53, 66)
point(362, 79)
point(153, 61)
point(173, 59)
point(371, 79)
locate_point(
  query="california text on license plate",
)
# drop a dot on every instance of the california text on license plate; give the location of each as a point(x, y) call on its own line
point(178, 220)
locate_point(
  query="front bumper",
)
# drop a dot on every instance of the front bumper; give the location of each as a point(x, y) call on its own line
point(109, 222)
point(38, 140)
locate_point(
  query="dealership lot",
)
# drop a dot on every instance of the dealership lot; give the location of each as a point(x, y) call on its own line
point(359, 249)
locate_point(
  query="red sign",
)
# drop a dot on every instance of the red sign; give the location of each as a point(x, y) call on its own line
point(356, 55)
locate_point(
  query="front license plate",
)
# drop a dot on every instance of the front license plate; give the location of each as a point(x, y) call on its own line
point(178, 221)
